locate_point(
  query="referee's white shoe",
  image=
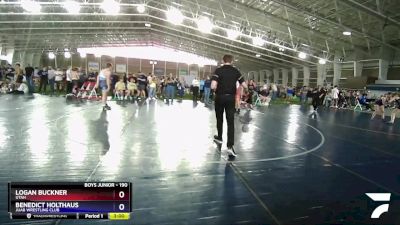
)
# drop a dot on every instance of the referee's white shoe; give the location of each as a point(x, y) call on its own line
point(231, 152)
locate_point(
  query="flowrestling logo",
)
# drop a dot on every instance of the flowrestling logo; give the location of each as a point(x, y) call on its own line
point(379, 197)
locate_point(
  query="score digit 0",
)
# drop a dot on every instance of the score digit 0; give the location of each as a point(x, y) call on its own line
point(121, 194)
point(121, 207)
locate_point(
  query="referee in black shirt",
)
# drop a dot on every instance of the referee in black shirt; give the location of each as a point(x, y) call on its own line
point(224, 85)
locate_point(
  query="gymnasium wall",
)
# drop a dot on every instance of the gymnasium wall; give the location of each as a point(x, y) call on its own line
point(131, 65)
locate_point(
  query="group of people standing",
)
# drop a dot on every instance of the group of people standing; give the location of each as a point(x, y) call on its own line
point(141, 86)
point(56, 79)
point(12, 79)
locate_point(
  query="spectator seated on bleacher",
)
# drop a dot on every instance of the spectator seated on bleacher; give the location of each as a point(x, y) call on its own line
point(132, 88)
point(120, 89)
point(4, 87)
point(290, 92)
point(92, 77)
point(114, 80)
point(21, 89)
point(363, 101)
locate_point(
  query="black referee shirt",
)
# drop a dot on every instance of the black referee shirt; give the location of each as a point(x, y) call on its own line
point(226, 76)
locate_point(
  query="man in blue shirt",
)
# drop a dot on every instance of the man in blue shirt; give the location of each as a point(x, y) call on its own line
point(363, 101)
point(201, 89)
point(207, 91)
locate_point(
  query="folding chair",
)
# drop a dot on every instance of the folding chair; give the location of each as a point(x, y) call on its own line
point(258, 100)
point(358, 105)
point(117, 96)
point(92, 90)
point(81, 91)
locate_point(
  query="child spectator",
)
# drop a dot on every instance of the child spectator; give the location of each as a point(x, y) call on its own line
point(181, 89)
point(132, 88)
point(92, 77)
point(120, 89)
point(152, 88)
point(4, 88)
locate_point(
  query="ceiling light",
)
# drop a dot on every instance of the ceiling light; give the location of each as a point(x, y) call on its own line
point(51, 55)
point(67, 55)
point(31, 6)
point(281, 49)
point(82, 54)
point(302, 55)
point(110, 7)
point(204, 25)
point(233, 34)
point(141, 8)
point(347, 33)
point(72, 7)
point(175, 16)
point(147, 25)
point(322, 61)
point(258, 55)
point(258, 41)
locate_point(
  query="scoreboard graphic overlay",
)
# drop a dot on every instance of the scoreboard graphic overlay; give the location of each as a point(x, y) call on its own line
point(57, 200)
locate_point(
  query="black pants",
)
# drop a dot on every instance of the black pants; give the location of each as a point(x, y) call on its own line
point(195, 93)
point(43, 83)
point(316, 102)
point(366, 105)
point(225, 103)
point(69, 87)
point(250, 99)
point(16, 92)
